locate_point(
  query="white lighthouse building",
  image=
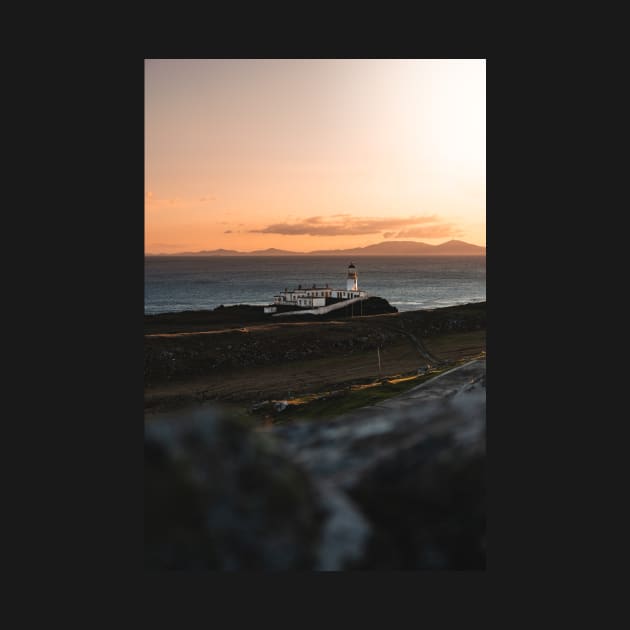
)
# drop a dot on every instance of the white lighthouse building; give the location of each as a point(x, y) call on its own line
point(316, 297)
point(352, 283)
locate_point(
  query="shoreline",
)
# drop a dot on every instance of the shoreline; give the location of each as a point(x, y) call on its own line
point(397, 305)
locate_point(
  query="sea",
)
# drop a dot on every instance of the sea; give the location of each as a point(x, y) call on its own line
point(183, 283)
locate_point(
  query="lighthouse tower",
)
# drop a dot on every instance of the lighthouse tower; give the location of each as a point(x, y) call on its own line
point(352, 283)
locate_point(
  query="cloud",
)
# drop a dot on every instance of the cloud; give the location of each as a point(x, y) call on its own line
point(227, 232)
point(345, 224)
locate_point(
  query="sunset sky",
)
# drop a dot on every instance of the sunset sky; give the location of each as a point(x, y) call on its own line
point(313, 154)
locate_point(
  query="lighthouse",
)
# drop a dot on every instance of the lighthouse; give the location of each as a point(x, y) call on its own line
point(352, 283)
point(319, 299)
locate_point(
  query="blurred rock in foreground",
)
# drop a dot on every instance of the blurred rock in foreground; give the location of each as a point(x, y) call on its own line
point(397, 486)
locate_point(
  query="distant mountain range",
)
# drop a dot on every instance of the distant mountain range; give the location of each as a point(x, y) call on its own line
point(386, 248)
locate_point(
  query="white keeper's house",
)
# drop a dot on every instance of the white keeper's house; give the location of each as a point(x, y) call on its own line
point(322, 296)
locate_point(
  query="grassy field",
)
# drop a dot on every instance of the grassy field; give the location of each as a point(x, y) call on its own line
point(327, 405)
point(454, 346)
point(319, 368)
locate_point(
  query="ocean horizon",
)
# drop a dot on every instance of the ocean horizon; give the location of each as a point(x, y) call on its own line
point(184, 283)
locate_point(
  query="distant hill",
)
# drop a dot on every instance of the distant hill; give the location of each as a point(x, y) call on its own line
point(386, 248)
point(408, 248)
point(272, 251)
point(232, 252)
point(209, 252)
point(461, 248)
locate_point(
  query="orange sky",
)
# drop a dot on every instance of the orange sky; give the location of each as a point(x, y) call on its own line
point(313, 154)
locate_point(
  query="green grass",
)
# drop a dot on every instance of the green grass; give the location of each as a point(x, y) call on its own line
point(327, 405)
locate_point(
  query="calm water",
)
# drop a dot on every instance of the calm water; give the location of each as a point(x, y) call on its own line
point(408, 283)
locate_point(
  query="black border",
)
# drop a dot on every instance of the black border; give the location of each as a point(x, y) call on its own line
point(108, 329)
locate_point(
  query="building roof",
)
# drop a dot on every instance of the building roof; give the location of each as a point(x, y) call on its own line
point(310, 289)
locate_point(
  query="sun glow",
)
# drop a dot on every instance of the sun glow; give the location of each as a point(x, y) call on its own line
point(236, 148)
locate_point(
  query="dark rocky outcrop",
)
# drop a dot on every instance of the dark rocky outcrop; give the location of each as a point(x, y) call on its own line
point(414, 466)
point(219, 496)
point(397, 486)
point(246, 314)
